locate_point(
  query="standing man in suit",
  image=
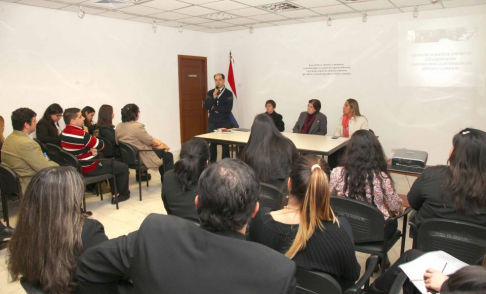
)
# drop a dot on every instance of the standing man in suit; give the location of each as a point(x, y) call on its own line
point(219, 103)
point(20, 152)
point(169, 254)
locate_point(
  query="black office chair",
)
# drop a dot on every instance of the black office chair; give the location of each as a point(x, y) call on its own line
point(368, 226)
point(9, 185)
point(398, 284)
point(321, 283)
point(54, 153)
point(270, 196)
point(42, 145)
point(72, 160)
point(31, 288)
point(131, 156)
point(109, 150)
point(464, 241)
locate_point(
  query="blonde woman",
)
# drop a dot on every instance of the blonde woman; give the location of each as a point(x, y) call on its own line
point(351, 121)
point(306, 229)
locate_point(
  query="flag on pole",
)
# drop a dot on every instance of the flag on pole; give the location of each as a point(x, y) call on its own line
point(231, 82)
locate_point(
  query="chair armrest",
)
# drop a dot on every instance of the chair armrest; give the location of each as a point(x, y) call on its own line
point(99, 159)
point(405, 212)
point(398, 284)
point(146, 150)
point(373, 262)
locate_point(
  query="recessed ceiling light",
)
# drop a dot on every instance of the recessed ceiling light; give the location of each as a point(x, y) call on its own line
point(219, 16)
point(279, 7)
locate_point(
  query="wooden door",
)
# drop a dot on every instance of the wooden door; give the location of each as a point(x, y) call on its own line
point(192, 92)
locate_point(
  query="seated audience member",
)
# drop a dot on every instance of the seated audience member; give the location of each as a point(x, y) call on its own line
point(107, 130)
point(20, 152)
point(169, 254)
point(180, 184)
point(268, 152)
point(88, 113)
point(363, 175)
point(311, 122)
point(85, 147)
point(51, 231)
point(132, 132)
point(48, 129)
point(306, 229)
point(351, 121)
point(466, 280)
point(456, 191)
point(270, 106)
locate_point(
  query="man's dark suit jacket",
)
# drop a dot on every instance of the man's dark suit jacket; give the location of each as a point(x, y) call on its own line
point(169, 254)
point(46, 133)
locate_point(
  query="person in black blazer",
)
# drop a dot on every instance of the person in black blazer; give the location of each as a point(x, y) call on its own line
point(169, 254)
point(48, 129)
point(270, 106)
point(180, 184)
point(107, 131)
point(312, 122)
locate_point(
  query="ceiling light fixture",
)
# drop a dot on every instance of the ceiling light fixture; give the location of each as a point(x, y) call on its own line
point(81, 12)
point(365, 17)
point(329, 22)
point(251, 30)
point(434, 1)
point(154, 26)
point(415, 12)
point(180, 29)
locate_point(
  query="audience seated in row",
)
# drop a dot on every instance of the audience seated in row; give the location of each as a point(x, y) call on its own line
point(107, 131)
point(51, 232)
point(48, 129)
point(20, 152)
point(456, 191)
point(132, 132)
point(85, 147)
point(169, 254)
point(306, 229)
point(88, 113)
point(180, 184)
point(268, 152)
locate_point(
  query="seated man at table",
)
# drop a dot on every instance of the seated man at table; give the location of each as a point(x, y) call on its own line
point(169, 254)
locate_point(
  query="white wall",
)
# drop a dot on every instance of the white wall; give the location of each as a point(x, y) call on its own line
point(269, 65)
point(49, 56)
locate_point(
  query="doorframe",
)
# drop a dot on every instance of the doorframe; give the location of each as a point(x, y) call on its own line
point(190, 57)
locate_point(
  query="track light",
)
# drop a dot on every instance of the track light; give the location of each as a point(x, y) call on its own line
point(415, 12)
point(154, 26)
point(365, 17)
point(180, 29)
point(329, 22)
point(81, 12)
point(251, 30)
point(434, 1)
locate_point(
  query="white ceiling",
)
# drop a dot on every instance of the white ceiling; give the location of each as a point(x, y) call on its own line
point(248, 13)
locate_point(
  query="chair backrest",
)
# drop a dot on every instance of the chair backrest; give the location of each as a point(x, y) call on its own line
point(129, 153)
point(9, 181)
point(316, 282)
point(109, 150)
point(270, 196)
point(367, 221)
point(464, 241)
point(70, 160)
point(42, 145)
point(54, 153)
point(30, 288)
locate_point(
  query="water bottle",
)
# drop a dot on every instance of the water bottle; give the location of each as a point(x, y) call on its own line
point(47, 157)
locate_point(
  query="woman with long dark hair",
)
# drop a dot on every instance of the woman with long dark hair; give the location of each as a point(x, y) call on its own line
point(456, 191)
point(107, 130)
point(306, 229)
point(312, 121)
point(363, 175)
point(48, 130)
point(88, 113)
point(268, 152)
point(180, 184)
point(51, 231)
point(132, 132)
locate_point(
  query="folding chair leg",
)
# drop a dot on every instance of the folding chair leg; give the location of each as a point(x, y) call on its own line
point(404, 233)
point(6, 218)
point(84, 203)
point(101, 191)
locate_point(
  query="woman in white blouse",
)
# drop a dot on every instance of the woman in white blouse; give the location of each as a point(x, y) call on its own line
point(351, 121)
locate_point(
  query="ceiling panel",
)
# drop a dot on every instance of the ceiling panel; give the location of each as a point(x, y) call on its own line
point(248, 12)
point(259, 2)
point(119, 15)
point(87, 10)
point(314, 19)
point(346, 15)
point(299, 13)
point(240, 21)
point(200, 1)
point(268, 17)
point(141, 10)
point(217, 24)
point(315, 3)
point(457, 3)
point(143, 19)
point(371, 5)
point(166, 5)
point(42, 3)
point(225, 5)
point(195, 20)
point(332, 9)
point(194, 27)
point(237, 28)
point(384, 11)
point(170, 15)
point(195, 10)
point(73, 1)
point(409, 2)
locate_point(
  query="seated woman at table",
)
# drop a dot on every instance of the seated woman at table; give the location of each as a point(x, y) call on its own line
point(180, 184)
point(270, 106)
point(311, 122)
point(51, 231)
point(132, 132)
point(268, 152)
point(456, 191)
point(363, 175)
point(306, 229)
point(351, 121)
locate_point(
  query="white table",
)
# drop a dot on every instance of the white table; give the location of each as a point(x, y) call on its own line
point(322, 145)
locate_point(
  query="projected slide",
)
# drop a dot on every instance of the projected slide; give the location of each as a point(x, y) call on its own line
point(447, 52)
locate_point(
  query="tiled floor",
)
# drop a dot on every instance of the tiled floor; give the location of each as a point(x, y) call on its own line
point(132, 212)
